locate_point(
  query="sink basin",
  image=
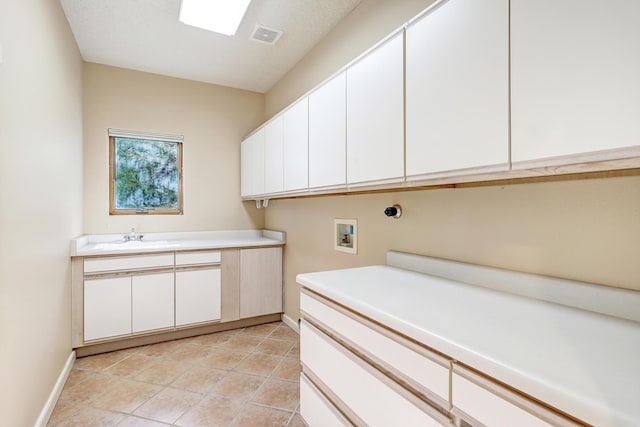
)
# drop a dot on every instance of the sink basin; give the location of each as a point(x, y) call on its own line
point(152, 244)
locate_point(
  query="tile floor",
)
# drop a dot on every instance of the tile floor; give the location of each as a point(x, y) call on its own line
point(244, 377)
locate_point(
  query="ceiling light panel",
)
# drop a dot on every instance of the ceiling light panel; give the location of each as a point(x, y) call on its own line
point(220, 16)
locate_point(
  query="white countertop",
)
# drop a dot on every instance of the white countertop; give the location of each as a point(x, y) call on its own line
point(583, 363)
point(112, 244)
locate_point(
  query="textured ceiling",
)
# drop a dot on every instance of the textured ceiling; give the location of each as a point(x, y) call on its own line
point(146, 35)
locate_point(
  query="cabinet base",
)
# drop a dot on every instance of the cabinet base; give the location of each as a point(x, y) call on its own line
point(105, 347)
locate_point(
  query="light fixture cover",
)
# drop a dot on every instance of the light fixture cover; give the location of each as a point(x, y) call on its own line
point(220, 16)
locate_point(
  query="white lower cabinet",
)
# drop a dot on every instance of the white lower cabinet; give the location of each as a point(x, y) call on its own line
point(152, 302)
point(365, 393)
point(107, 307)
point(197, 296)
point(317, 410)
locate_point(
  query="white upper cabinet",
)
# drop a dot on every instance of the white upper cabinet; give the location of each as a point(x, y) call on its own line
point(327, 134)
point(252, 163)
point(296, 146)
point(375, 115)
point(273, 175)
point(246, 169)
point(457, 89)
point(575, 73)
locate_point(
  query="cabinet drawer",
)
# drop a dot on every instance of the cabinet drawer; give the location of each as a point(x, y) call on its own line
point(191, 258)
point(94, 265)
point(481, 401)
point(316, 409)
point(418, 367)
point(360, 387)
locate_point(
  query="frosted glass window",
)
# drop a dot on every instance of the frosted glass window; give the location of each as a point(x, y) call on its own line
point(145, 176)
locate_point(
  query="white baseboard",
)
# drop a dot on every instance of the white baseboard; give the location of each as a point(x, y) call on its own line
point(291, 323)
point(47, 410)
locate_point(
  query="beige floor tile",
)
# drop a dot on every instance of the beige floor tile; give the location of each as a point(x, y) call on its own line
point(283, 332)
point(223, 358)
point(212, 411)
point(258, 364)
point(213, 340)
point(76, 376)
point(259, 416)
point(189, 353)
point(200, 379)
point(131, 366)
point(131, 421)
point(260, 330)
point(246, 343)
point(238, 386)
point(93, 417)
point(274, 347)
point(296, 421)
point(279, 394)
point(64, 409)
point(163, 371)
point(295, 351)
point(127, 397)
point(160, 349)
point(288, 369)
point(91, 388)
point(100, 361)
point(168, 405)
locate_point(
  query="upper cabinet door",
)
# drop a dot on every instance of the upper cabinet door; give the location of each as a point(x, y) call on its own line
point(252, 164)
point(273, 175)
point(296, 146)
point(575, 80)
point(246, 171)
point(375, 115)
point(457, 89)
point(327, 134)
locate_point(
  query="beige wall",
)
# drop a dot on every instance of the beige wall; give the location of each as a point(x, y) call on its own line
point(40, 200)
point(366, 25)
point(213, 120)
point(585, 230)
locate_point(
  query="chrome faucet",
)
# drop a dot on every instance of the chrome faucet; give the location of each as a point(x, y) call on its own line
point(133, 237)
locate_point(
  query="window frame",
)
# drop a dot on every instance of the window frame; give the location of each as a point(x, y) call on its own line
point(113, 134)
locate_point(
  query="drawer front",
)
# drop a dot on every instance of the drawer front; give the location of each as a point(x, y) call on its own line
point(192, 258)
point(485, 407)
point(315, 409)
point(95, 265)
point(368, 394)
point(411, 366)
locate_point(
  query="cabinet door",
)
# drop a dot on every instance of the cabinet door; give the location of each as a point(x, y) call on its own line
point(152, 302)
point(375, 115)
point(260, 281)
point(327, 134)
point(273, 168)
point(252, 163)
point(197, 296)
point(575, 86)
point(296, 146)
point(107, 308)
point(458, 89)
point(246, 169)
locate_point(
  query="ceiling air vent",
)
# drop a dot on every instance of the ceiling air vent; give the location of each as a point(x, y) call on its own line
point(266, 35)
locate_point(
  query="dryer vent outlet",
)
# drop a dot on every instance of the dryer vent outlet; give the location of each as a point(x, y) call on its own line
point(265, 35)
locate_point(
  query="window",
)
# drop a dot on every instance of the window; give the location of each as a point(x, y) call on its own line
point(145, 173)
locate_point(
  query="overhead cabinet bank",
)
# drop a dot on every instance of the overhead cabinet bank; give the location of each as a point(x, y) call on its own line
point(468, 90)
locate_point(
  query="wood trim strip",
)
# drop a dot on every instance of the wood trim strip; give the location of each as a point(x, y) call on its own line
point(230, 285)
point(337, 403)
